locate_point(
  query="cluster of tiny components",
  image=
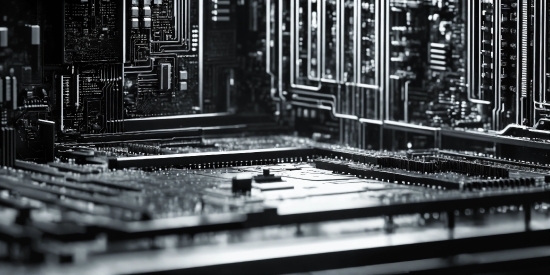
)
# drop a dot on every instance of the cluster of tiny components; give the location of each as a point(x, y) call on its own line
point(437, 165)
point(148, 148)
point(69, 201)
point(441, 171)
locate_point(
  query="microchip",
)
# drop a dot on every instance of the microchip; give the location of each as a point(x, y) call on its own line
point(165, 76)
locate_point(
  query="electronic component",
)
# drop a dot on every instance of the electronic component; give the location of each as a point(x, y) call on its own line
point(165, 76)
point(3, 37)
point(241, 184)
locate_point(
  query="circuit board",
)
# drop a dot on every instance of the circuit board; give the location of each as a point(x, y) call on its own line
point(344, 70)
point(126, 60)
point(162, 51)
point(266, 186)
point(278, 136)
point(428, 62)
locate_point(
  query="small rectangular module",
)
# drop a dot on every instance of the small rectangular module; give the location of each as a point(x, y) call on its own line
point(165, 76)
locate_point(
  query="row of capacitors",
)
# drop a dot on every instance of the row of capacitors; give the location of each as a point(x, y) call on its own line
point(144, 13)
point(8, 84)
point(8, 92)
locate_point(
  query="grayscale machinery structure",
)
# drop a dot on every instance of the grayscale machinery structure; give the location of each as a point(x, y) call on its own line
point(274, 136)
